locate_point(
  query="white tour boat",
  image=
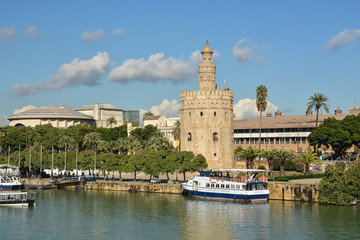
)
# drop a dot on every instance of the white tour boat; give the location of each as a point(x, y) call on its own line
point(249, 185)
point(10, 182)
point(11, 198)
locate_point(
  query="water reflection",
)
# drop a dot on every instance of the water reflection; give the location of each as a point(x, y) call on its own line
point(62, 214)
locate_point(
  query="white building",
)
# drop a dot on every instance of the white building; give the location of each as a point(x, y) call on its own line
point(165, 125)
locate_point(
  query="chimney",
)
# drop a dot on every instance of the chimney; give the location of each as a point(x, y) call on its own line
point(278, 113)
point(338, 111)
point(269, 114)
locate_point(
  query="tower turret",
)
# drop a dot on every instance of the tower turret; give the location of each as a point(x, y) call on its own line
point(207, 70)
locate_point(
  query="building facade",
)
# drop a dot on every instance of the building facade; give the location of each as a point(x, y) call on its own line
point(165, 125)
point(60, 117)
point(207, 117)
point(279, 132)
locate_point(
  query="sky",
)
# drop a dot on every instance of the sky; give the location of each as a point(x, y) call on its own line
point(142, 54)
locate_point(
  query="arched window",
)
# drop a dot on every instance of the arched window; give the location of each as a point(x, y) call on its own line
point(214, 114)
point(189, 136)
point(215, 136)
point(189, 114)
point(201, 113)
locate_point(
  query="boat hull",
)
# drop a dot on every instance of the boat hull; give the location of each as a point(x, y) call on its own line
point(228, 196)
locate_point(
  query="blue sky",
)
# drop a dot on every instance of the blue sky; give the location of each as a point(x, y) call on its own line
point(142, 54)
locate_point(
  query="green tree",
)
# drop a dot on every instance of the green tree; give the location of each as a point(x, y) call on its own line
point(331, 133)
point(249, 154)
point(177, 135)
point(66, 142)
point(351, 124)
point(282, 155)
point(269, 155)
point(94, 138)
point(307, 158)
point(110, 121)
point(340, 186)
point(261, 104)
point(147, 114)
point(318, 101)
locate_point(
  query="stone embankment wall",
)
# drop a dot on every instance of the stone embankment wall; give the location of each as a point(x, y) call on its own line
point(294, 191)
point(133, 186)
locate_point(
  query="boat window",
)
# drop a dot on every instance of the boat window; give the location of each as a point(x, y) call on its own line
point(232, 186)
point(208, 185)
point(237, 186)
point(222, 185)
point(217, 185)
point(212, 185)
point(227, 186)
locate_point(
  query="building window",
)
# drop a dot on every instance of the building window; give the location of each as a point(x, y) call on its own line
point(201, 114)
point(189, 136)
point(189, 114)
point(214, 114)
point(215, 136)
point(214, 154)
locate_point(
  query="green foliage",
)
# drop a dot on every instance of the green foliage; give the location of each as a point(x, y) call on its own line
point(307, 158)
point(249, 154)
point(340, 186)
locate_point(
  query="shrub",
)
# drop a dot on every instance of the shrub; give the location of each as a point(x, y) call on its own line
point(299, 166)
point(289, 165)
point(261, 167)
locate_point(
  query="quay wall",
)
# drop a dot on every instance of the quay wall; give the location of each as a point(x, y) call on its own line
point(296, 190)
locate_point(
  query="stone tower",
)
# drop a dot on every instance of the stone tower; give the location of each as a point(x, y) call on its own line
point(207, 117)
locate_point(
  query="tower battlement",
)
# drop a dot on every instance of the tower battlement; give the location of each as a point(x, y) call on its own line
point(215, 92)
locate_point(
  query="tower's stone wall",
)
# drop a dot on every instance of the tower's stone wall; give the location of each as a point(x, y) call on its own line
point(207, 125)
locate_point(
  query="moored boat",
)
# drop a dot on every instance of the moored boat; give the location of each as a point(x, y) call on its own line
point(11, 198)
point(10, 183)
point(249, 185)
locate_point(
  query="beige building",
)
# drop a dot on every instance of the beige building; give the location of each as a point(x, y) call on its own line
point(60, 117)
point(102, 112)
point(207, 117)
point(165, 125)
point(279, 132)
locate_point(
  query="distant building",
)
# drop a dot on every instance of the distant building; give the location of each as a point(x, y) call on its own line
point(60, 117)
point(131, 116)
point(279, 132)
point(354, 110)
point(165, 125)
point(95, 115)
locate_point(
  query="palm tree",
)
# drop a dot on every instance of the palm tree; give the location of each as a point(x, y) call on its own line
point(269, 155)
point(110, 121)
point(261, 104)
point(307, 158)
point(249, 154)
point(176, 132)
point(67, 142)
point(93, 138)
point(147, 114)
point(283, 155)
point(318, 101)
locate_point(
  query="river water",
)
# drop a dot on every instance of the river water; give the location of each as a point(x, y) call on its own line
point(67, 214)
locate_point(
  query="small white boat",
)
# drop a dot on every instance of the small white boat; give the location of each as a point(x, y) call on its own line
point(11, 198)
point(10, 183)
point(249, 185)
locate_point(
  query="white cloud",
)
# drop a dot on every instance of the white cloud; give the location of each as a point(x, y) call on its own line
point(245, 51)
point(342, 38)
point(242, 53)
point(3, 121)
point(167, 108)
point(92, 36)
point(118, 31)
point(78, 72)
point(32, 31)
point(7, 33)
point(154, 69)
point(246, 108)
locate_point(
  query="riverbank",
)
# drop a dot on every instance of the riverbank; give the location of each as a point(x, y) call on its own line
point(305, 190)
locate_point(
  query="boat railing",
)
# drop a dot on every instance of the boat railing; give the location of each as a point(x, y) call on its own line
point(242, 179)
